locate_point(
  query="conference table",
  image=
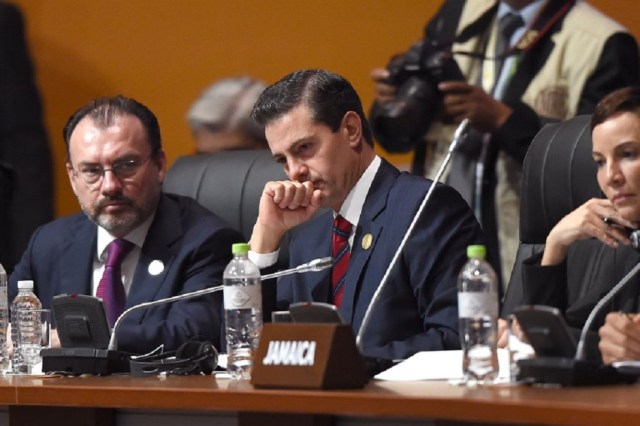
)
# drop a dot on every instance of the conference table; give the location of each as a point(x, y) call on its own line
point(126, 400)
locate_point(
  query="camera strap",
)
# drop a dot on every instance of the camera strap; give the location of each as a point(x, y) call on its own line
point(552, 12)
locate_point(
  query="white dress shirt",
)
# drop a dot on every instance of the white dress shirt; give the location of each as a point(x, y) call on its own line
point(137, 237)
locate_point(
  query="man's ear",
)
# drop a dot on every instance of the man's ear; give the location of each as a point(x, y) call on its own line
point(72, 178)
point(161, 163)
point(352, 127)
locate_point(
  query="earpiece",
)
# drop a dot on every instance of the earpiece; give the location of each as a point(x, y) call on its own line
point(193, 357)
point(203, 353)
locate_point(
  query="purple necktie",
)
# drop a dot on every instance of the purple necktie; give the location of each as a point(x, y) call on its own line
point(111, 289)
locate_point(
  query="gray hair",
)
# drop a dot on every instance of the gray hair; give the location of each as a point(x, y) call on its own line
point(227, 105)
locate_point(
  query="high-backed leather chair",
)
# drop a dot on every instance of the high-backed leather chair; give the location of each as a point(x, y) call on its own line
point(228, 183)
point(558, 176)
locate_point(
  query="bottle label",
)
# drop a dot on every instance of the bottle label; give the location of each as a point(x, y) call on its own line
point(477, 304)
point(242, 297)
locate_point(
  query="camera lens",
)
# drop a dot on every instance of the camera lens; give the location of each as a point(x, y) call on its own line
point(408, 116)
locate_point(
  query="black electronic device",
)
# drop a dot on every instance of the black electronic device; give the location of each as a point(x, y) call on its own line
point(193, 357)
point(84, 337)
point(315, 312)
point(81, 321)
point(546, 330)
point(77, 361)
point(633, 234)
point(567, 369)
point(555, 345)
point(417, 73)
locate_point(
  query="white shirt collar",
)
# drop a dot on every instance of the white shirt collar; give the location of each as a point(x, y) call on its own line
point(352, 206)
point(527, 13)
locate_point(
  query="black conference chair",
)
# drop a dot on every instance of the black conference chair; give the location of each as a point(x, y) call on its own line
point(558, 176)
point(228, 183)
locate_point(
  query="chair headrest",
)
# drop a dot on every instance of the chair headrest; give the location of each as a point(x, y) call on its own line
point(227, 183)
point(558, 176)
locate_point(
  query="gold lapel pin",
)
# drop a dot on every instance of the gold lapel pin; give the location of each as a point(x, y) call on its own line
point(367, 239)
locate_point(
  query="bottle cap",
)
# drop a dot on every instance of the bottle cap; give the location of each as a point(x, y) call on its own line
point(25, 284)
point(476, 251)
point(240, 248)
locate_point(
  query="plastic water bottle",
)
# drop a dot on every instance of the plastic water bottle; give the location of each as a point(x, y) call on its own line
point(478, 316)
point(26, 331)
point(4, 320)
point(242, 312)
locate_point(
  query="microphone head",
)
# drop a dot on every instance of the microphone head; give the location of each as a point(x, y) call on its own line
point(322, 263)
point(459, 134)
point(635, 239)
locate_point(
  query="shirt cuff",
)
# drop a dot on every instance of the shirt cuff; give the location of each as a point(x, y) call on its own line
point(264, 260)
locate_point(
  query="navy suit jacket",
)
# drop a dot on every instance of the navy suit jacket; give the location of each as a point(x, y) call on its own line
point(417, 309)
point(193, 244)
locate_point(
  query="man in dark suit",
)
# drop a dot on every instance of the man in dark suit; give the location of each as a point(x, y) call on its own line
point(26, 196)
point(116, 166)
point(317, 130)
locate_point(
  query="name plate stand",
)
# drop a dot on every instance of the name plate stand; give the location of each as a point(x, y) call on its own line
point(308, 356)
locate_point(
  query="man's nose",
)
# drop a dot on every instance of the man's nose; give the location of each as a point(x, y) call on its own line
point(297, 170)
point(110, 182)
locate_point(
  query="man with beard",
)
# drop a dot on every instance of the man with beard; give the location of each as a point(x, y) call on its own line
point(133, 243)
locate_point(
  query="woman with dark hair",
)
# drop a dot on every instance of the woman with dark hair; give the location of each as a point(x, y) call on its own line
point(589, 250)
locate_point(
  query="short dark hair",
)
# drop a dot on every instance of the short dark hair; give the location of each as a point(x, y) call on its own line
point(103, 112)
point(329, 96)
point(617, 102)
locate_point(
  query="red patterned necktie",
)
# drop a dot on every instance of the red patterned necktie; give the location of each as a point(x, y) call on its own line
point(340, 254)
point(110, 288)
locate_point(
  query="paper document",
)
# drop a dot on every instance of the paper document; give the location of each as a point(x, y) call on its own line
point(437, 365)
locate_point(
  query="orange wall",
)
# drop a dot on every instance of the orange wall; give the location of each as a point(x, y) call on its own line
point(163, 52)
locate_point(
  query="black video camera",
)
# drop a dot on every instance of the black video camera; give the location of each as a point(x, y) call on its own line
point(405, 119)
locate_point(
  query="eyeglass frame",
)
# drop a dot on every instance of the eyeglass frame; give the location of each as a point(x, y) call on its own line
point(115, 169)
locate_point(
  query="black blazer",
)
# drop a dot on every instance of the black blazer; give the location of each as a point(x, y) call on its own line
point(23, 141)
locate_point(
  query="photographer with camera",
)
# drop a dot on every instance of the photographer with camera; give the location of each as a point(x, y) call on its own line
point(508, 66)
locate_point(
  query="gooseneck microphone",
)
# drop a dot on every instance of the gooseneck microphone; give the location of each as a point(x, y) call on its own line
point(580, 351)
point(315, 265)
point(460, 133)
point(579, 371)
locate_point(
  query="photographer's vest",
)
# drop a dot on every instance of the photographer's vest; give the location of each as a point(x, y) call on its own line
point(553, 93)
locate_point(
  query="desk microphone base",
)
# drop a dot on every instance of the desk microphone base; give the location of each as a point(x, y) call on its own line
point(78, 361)
point(570, 372)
